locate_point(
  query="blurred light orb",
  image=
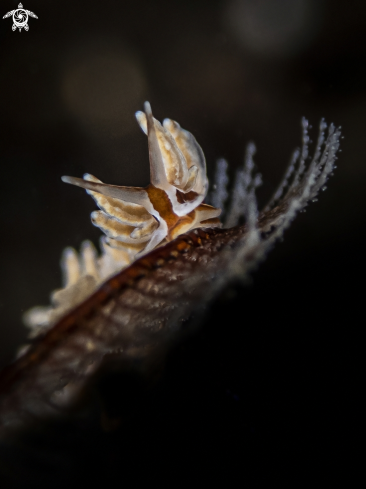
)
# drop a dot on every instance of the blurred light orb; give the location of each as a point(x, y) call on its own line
point(279, 28)
point(102, 87)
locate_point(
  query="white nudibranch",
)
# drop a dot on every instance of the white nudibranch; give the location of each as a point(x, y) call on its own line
point(135, 220)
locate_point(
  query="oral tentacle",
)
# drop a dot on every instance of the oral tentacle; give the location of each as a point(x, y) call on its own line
point(135, 195)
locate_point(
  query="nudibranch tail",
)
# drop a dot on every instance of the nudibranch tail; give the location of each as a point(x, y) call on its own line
point(81, 275)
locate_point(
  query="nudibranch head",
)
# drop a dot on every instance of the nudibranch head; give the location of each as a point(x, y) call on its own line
point(136, 220)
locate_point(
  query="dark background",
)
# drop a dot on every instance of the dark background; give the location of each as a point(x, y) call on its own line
point(275, 363)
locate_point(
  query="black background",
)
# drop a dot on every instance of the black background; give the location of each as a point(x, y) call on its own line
point(275, 373)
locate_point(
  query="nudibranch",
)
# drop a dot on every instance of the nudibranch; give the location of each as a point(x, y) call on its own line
point(135, 220)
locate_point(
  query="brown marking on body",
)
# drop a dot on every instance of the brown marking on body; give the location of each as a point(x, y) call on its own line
point(161, 202)
point(182, 198)
point(182, 226)
point(204, 206)
point(213, 220)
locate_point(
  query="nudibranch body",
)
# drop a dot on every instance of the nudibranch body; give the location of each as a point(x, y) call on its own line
point(135, 220)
